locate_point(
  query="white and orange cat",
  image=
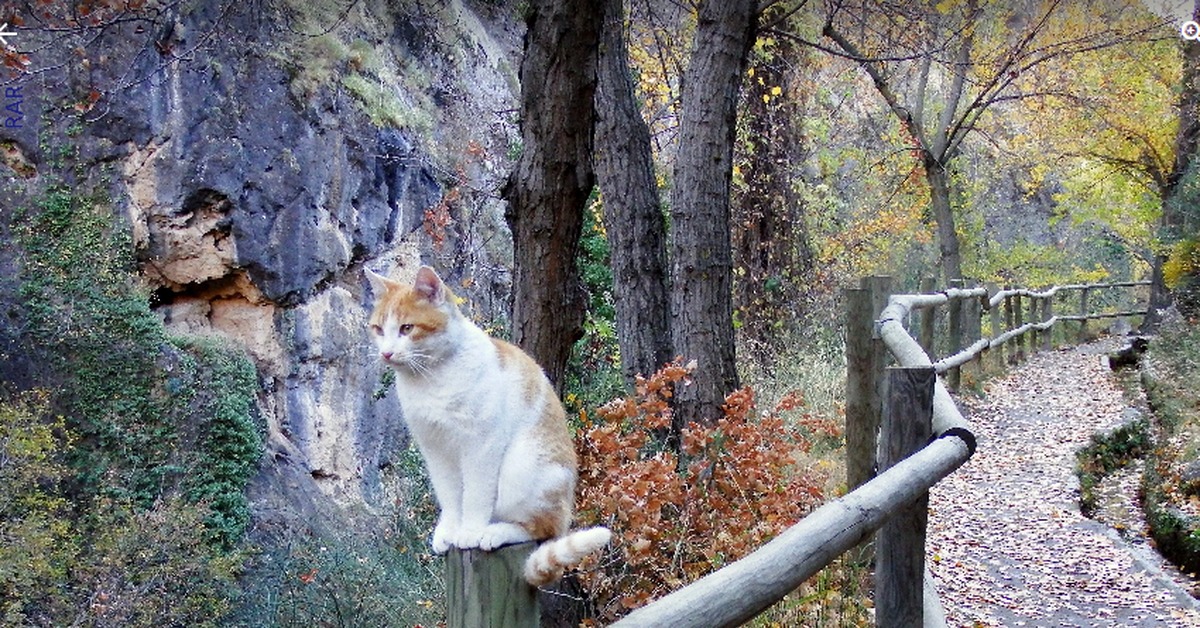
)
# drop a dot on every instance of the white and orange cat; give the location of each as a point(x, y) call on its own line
point(489, 425)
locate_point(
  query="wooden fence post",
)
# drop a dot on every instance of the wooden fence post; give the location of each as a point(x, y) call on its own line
point(488, 589)
point(1035, 335)
point(1019, 321)
point(1009, 318)
point(860, 386)
point(928, 317)
point(1047, 314)
point(997, 316)
point(900, 543)
point(866, 356)
point(1083, 312)
point(953, 376)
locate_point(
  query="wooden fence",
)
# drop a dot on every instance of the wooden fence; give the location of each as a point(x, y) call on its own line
point(903, 435)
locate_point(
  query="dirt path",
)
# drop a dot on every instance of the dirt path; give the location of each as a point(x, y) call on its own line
point(1009, 546)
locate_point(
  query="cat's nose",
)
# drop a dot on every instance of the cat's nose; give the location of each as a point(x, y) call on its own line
point(387, 355)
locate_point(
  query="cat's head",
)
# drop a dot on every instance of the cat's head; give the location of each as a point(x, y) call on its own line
point(413, 325)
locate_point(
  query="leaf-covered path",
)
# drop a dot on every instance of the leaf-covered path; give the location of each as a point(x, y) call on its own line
point(1008, 543)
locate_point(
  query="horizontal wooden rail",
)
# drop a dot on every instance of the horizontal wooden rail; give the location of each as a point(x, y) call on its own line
point(962, 357)
point(739, 591)
point(908, 351)
point(1000, 296)
point(1102, 315)
point(1024, 329)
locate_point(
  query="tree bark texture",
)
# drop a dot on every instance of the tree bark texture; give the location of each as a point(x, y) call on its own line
point(771, 245)
point(701, 259)
point(549, 188)
point(943, 215)
point(633, 215)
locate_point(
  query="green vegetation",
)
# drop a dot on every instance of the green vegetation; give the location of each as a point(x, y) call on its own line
point(381, 104)
point(335, 46)
point(37, 546)
point(384, 575)
point(1107, 453)
point(1181, 272)
point(126, 472)
point(594, 371)
point(1171, 485)
point(228, 444)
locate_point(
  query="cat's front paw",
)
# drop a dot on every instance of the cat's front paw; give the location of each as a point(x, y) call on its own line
point(500, 534)
point(467, 537)
point(443, 537)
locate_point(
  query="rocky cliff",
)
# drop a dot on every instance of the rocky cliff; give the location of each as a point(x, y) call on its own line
point(260, 155)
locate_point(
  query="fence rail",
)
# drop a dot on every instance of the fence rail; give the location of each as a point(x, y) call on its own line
point(904, 433)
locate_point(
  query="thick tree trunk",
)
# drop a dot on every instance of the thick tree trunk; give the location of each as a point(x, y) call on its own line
point(701, 260)
point(633, 216)
point(549, 188)
point(943, 215)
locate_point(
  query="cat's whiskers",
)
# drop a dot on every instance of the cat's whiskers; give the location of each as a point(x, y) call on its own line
point(419, 363)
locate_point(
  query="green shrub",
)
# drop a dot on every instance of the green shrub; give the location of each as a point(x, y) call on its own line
point(38, 546)
point(1106, 453)
point(153, 567)
point(594, 369)
point(220, 382)
point(138, 488)
point(97, 334)
point(1171, 385)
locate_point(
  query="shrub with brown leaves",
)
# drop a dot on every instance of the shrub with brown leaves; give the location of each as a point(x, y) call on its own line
point(677, 516)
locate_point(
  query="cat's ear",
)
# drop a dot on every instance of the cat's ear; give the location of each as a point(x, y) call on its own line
point(379, 283)
point(430, 286)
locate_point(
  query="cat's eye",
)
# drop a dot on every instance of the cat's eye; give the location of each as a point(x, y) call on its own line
point(405, 329)
point(377, 330)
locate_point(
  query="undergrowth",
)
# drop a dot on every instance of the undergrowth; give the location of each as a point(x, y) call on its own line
point(378, 572)
point(677, 516)
point(135, 451)
point(1171, 484)
point(1108, 452)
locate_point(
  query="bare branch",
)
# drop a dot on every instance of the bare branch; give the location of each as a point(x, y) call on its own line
point(874, 70)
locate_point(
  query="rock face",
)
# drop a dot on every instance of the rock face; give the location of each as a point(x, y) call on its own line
point(257, 181)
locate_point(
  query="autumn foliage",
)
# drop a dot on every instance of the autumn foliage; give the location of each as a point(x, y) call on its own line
point(679, 516)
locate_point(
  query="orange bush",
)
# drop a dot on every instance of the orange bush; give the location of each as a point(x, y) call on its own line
point(677, 516)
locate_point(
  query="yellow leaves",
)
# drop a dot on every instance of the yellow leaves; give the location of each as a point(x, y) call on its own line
point(1183, 262)
point(772, 94)
point(868, 243)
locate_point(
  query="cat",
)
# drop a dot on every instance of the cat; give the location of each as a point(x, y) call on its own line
point(489, 426)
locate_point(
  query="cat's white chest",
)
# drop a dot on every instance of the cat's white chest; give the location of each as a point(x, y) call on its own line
point(462, 399)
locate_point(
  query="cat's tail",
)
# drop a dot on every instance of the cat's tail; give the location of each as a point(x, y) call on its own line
point(551, 559)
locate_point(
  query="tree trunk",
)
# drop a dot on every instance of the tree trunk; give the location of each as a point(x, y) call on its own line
point(633, 216)
point(701, 260)
point(549, 188)
point(943, 215)
point(772, 248)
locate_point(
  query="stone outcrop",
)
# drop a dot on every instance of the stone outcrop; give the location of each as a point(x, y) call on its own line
point(256, 185)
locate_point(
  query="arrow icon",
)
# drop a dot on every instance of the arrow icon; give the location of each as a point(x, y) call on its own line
point(5, 34)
